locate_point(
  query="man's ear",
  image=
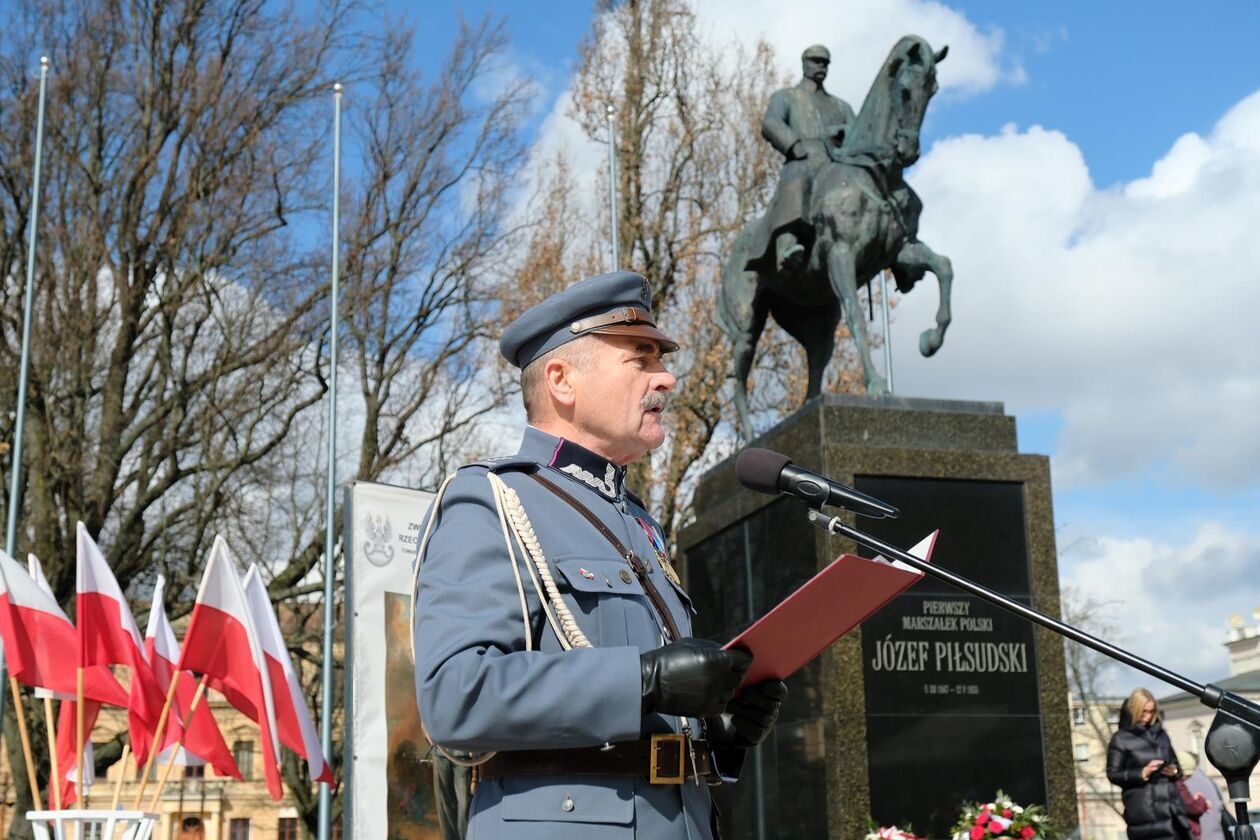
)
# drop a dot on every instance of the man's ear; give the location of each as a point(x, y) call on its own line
point(558, 377)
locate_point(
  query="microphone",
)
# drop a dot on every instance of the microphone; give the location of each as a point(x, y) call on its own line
point(766, 471)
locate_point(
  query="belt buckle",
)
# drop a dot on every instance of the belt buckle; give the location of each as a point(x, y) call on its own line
point(664, 768)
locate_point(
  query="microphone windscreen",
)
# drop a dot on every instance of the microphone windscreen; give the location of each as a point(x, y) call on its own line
point(759, 469)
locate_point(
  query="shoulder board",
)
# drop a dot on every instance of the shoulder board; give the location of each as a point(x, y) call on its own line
point(506, 462)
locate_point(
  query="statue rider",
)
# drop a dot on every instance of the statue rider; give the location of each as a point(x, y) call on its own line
point(807, 124)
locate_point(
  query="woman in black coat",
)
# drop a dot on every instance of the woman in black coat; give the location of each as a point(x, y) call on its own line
point(1141, 762)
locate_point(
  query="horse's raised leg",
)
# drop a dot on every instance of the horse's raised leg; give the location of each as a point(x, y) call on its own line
point(915, 256)
point(842, 272)
point(741, 314)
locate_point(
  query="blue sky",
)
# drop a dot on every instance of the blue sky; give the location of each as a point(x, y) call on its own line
point(1093, 170)
point(1123, 79)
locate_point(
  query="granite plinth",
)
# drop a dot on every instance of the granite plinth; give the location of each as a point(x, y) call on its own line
point(980, 702)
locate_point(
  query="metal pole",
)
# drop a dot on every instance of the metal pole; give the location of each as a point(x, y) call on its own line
point(612, 185)
point(15, 465)
point(325, 723)
point(759, 791)
point(883, 305)
point(834, 525)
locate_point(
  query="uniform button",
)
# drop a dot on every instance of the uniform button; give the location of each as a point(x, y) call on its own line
point(567, 804)
point(625, 576)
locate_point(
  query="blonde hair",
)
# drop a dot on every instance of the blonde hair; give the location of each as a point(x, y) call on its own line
point(1137, 702)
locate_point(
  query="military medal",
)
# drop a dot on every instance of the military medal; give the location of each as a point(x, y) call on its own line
point(658, 547)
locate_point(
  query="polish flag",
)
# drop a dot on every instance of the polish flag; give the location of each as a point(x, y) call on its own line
point(203, 742)
point(222, 643)
point(293, 718)
point(108, 635)
point(36, 570)
point(67, 725)
point(96, 680)
point(43, 634)
point(39, 640)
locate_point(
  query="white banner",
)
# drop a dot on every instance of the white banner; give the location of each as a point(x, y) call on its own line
point(389, 791)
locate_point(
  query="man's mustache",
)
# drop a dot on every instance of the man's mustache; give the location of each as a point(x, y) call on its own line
point(653, 400)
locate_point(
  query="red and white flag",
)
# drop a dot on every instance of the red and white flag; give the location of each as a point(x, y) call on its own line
point(203, 742)
point(40, 640)
point(108, 635)
point(293, 718)
point(221, 642)
point(43, 636)
point(67, 724)
point(36, 571)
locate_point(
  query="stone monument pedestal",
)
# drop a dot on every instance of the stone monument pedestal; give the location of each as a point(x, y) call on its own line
point(937, 698)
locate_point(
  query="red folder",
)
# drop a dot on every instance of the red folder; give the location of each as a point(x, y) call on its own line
point(830, 604)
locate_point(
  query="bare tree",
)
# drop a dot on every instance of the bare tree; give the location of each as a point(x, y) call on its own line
point(427, 229)
point(1087, 672)
point(176, 340)
point(691, 170)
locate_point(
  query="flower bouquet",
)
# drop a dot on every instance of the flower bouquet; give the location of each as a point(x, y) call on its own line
point(891, 833)
point(1002, 818)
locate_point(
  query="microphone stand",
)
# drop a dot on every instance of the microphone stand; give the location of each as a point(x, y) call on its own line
point(1233, 741)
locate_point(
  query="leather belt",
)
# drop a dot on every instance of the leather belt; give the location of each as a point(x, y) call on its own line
point(664, 759)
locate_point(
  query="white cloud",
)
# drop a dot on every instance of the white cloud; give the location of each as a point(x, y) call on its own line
point(859, 34)
point(1129, 310)
point(1169, 600)
point(511, 68)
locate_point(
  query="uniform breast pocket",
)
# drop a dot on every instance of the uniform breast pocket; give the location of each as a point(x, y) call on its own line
point(602, 592)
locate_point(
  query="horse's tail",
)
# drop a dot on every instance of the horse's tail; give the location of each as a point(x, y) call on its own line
point(734, 279)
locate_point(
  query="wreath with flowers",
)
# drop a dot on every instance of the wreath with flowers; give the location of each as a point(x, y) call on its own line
point(1003, 818)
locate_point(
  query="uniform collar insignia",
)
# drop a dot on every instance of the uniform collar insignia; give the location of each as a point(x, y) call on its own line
point(577, 462)
point(592, 470)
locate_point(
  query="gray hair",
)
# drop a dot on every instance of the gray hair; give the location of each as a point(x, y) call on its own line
point(577, 353)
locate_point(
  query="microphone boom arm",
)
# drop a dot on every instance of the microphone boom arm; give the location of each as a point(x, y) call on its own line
point(1233, 742)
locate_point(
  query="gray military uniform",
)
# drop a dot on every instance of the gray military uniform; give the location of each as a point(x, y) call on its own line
point(479, 689)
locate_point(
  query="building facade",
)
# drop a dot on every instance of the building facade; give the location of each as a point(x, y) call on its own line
point(195, 803)
point(1186, 721)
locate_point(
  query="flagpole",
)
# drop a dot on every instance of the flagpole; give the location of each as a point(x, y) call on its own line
point(179, 743)
point(325, 723)
point(612, 185)
point(26, 741)
point(51, 725)
point(122, 774)
point(157, 736)
point(78, 732)
point(15, 467)
point(883, 303)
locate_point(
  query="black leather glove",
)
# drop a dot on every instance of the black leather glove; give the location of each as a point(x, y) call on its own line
point(748, 718)
point(691, 677)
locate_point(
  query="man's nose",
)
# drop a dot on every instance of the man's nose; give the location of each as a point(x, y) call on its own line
point(664, 381)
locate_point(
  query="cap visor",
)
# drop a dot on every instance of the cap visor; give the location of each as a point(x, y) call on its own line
point(668, 345)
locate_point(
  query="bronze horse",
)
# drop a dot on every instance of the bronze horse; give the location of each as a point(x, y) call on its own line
point(865, 218)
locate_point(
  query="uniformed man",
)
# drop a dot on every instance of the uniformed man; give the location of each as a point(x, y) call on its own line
point(806, 124)
point(551, 634)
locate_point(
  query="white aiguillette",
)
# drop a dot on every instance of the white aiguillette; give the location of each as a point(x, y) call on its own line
point(830, 604)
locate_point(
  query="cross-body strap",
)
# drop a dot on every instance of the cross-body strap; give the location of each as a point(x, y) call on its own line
point(639, 567)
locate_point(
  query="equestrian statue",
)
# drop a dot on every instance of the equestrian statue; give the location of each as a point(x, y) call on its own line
point(842, 213)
